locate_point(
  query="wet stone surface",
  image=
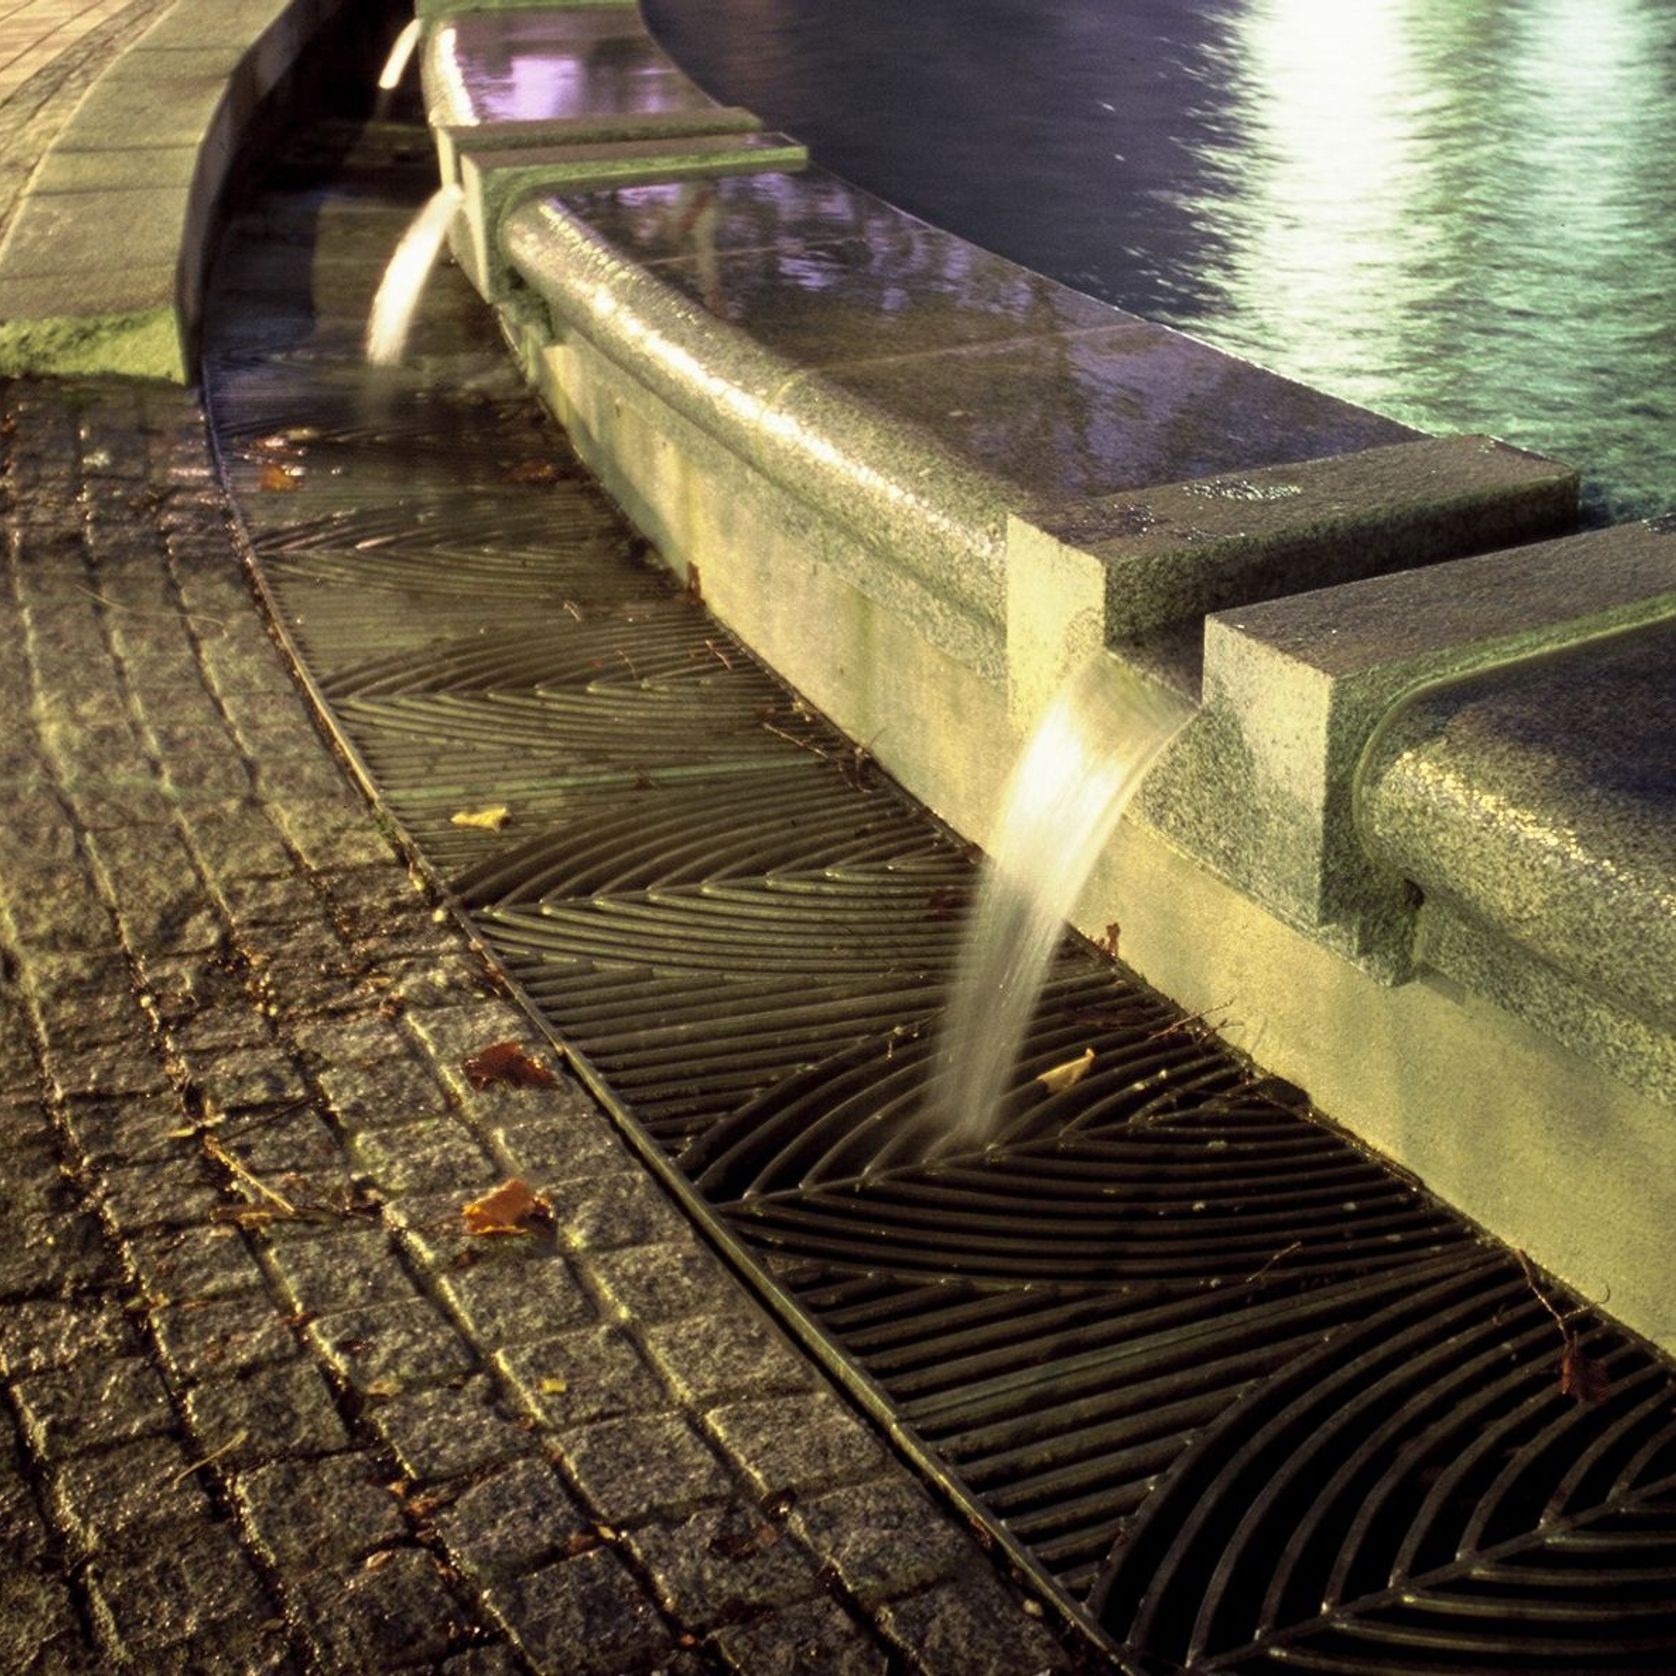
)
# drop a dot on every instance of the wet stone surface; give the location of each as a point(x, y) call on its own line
point(267, 1404)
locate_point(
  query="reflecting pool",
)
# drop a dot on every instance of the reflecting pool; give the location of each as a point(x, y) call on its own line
point(1461, 215)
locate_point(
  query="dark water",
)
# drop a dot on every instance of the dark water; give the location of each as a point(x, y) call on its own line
point(1461, 213)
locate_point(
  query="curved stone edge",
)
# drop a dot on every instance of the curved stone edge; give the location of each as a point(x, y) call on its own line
point(102, 269)
point(1466, 1087)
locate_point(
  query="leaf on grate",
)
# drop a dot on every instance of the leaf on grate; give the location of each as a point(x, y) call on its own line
point(278, 479)
point(506, 1062)
point(512, 1208)
point(534, 471)
point(1581, 1375)
point(692, 589)
point(1067, 1075)
point(491, 819)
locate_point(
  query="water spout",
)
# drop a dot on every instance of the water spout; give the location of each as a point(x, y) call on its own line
point(1067, 793)
point(404, 280)
point(395, 66)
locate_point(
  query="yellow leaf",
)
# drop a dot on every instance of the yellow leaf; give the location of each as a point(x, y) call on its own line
point(1067, 1075)
point(490, 820)
point(513, 1208)
point(554, 1386)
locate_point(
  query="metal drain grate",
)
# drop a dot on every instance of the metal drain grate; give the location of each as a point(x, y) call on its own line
point(1257, 1401)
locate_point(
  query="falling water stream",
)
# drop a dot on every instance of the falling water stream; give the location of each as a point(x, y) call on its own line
point(395, 66)
point(1074, 778)
point(404, 280)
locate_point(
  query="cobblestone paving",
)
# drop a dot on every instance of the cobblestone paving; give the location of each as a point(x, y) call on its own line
point(268, 1405)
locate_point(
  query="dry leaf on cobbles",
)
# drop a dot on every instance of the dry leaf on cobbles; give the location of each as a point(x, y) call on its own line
point(491, 819)
point(1067, 1075)
point(506, 1062)
point(512, 1208)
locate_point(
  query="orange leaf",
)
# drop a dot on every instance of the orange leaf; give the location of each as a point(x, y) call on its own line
point(277, 479)
point(534, 471)
point(513, 1208)
point(1581, 1375)
point(506, 1062)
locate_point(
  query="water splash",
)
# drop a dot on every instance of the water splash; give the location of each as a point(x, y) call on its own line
point(1068, 791)
point(404, 280)
point(395, 66)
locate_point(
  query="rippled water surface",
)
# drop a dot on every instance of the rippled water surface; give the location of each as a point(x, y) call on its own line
point(1461, 213)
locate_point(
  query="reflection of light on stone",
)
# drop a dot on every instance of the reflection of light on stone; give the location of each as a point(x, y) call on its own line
point(404, 279)
point(1076, 776)
point(541, 87)
point(395, 66)
point(445, 61)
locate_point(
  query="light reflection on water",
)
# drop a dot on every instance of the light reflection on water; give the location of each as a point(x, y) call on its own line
point(1463, 216)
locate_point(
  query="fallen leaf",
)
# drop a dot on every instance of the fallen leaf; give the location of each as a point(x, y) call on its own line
point(1108, 942)
point(278, 479)
point(513, 1208)
point(554, 1386)
point(692, 590)
point(506, 1062)
point(491, 819)
point(583, 1542)
point(1581, 1375)
point(377, 1560)
point(1067, 1075)
point(534, 471)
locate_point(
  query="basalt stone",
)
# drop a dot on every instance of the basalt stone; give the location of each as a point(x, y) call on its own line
point(307, 1513)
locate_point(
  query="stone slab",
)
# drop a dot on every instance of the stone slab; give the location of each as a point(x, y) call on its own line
point(1260, 785)
point(70, 234)
point(499, 64)
point(1538, 802)
point(603, 129)
point(105, 171)
point(823, 272)
point(495, 180)
point(1123, 569)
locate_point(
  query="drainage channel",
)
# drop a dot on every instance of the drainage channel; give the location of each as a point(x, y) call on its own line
point(1247, 1398)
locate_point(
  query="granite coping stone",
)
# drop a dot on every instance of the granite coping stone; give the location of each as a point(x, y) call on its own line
point(1261, 783)
point(1535, 800)
point(1121, 570)
point(454, 141)
point(495, 179)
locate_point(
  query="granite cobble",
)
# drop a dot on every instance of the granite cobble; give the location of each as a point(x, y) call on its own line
point(271, 1404)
